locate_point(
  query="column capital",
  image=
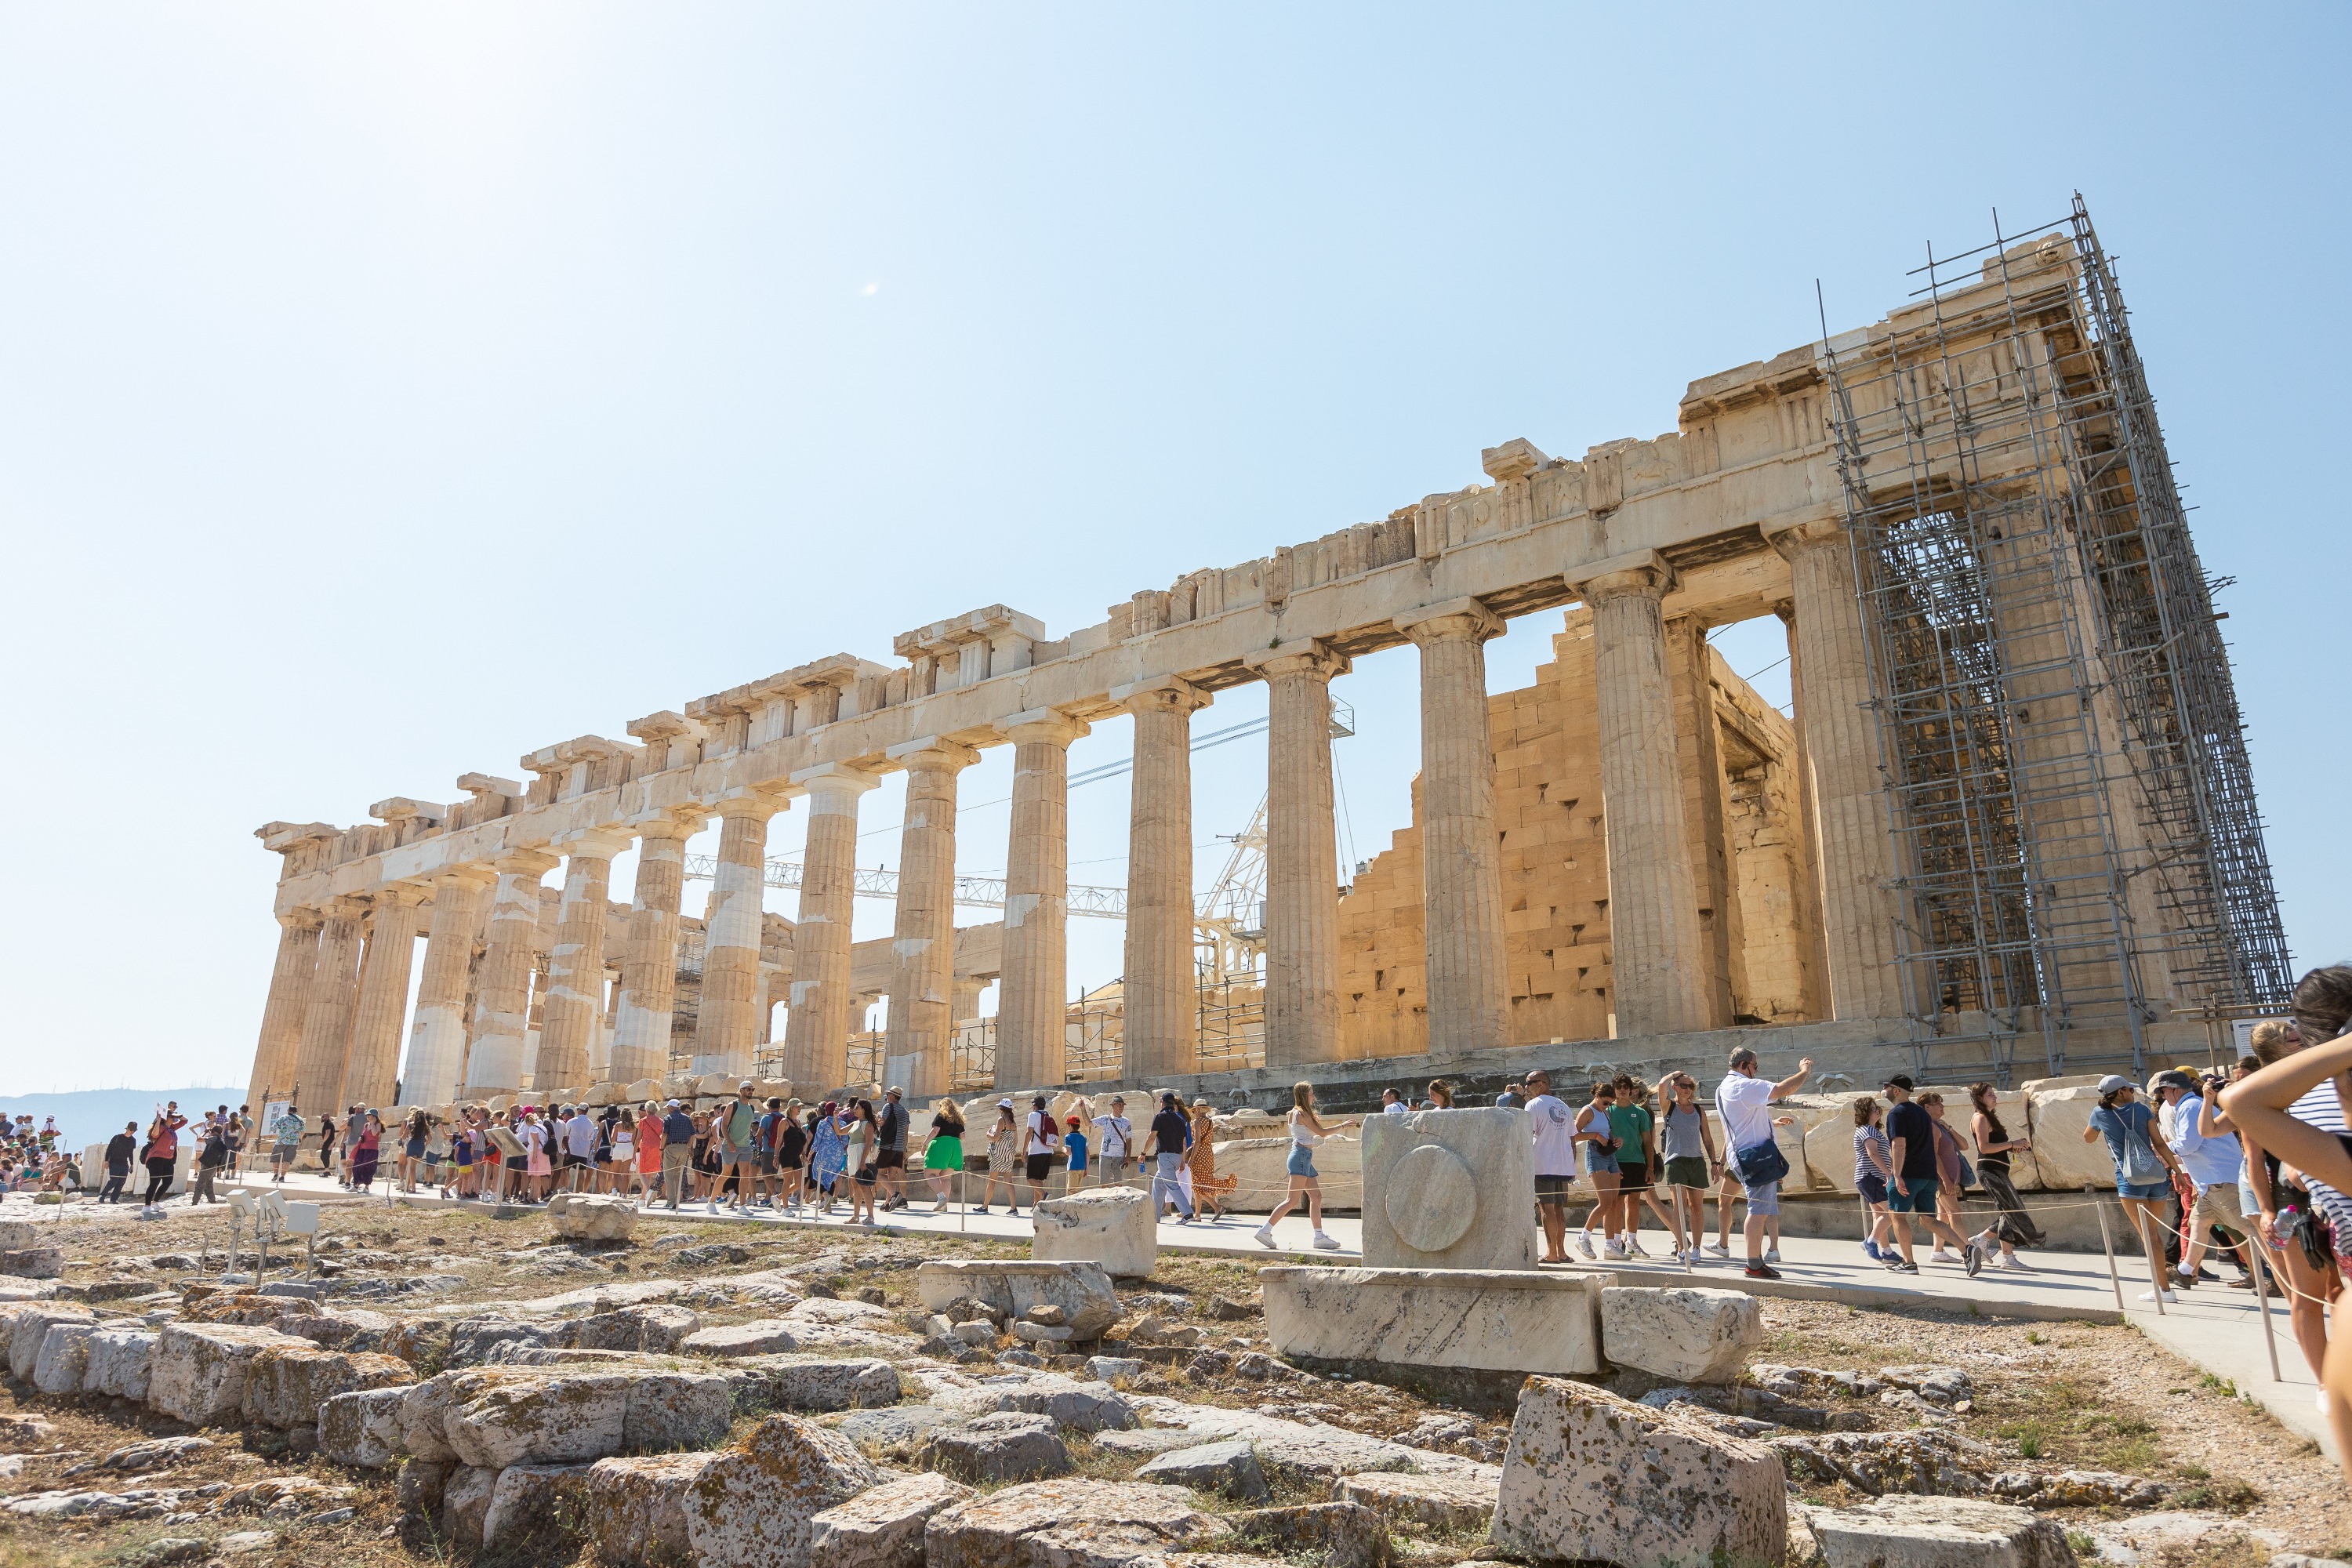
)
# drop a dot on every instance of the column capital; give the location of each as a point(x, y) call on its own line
point(303, 917)
point(1636, 572)
point(1167, 694)
point(524, 863)
point(347, 907)
point(592, 843)
point(759, 805)
point(680, 822)
point(1790, 535)
point(401, 893)
point(467, 875)
point(835, 778)
point(1454, 620)
point(932, 752)
point(1312, 656)
point(1045, 725)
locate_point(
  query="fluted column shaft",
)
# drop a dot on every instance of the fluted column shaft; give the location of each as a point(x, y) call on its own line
point(280, 1049)
point(1660, 969)
point(1462, 870)
point(816, 1029)
point(327, 1014)
point(1302, 858)
point(371, 1077)
point(574, 1013)
point(494, 1061)
point(1860, 905)
point(649, 971)
point(729, 1025)
point(437, 1039)
point(1699, 756)
point(1029, 1010)
point(922, 948)
point(1160, 990)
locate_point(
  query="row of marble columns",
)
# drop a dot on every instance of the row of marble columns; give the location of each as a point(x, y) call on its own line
point(330, 1019)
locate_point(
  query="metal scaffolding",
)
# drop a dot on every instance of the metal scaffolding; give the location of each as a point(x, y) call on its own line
point(2064, 763)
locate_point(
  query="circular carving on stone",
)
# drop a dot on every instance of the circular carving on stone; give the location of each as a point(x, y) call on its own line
point(1432, 1198)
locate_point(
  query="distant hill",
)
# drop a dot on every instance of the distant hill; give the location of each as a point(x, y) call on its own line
point(93, 1115)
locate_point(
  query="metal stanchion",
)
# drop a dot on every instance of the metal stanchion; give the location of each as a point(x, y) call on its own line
point(2155, 1262)
point(2107, 1235)
point(2263, 1265)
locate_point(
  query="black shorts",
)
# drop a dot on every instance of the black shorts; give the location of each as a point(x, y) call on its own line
point(1633, 1178)
point(1038, 1165)
point(891, 1160)
point(1551, 1191)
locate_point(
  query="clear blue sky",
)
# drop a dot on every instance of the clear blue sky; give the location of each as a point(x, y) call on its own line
point(384, 392)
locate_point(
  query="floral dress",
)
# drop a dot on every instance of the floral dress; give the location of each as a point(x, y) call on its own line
point(829, 1153)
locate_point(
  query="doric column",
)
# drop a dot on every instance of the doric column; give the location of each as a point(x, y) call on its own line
point(728, 1024)
point(923, 950)
point(370, 1076)
point(1658, 955)
point(327, 1014)
point(649, 971)
point(1302, 857)
point(277, 1055)
point(1698, 755)
point(1029, 1038)
point(494, 1061)
point(1806, 854)
point(437, 1039)
point(1161, 993)
point(1859, 904)
point(569, 1022)
point(1462, 871)
point(817, 1029)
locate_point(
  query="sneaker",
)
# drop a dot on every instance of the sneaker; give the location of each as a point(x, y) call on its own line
point(1762, 1272)
point(1584, 1242)
point(1263, 1236)
point(2242, 1282)
point(1976, 1258)
point(1325, 1244)
point(1614, 1248)
point(1896, 1266)
point(2011, 1261)
point(982, 1209)
point(1870, 1251)
point(1940, 1256)
point(713, 1205)
point(1634, 1248)
point(2169, 1298)
point(1691, 1257)
point(2184, 1281)
point(1771, 1255)
point(1718, 1248)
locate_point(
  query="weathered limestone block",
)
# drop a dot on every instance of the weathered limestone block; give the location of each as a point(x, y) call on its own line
point(1229, 1467)
point(1590, 1475)
point(1338, 1534)
point(1070, 1523)
point(1905, 1532)
point(636, 1508)
point(1008, 1446)
point(1496, 1319)
point(2064, 1162)
point(574, 1417)
point(1681, 1335)
point(18, 1233)
point(1081, 1290)
point(585, 1216)
point(1261, 1168)
point(1449, 1189)
point(33, 1262)
point(806, 1384)
point(27, 1323)
point(754, 1506)
point(760, 1336)
point(1108, 1226)
point(119, 1361)
point(1080, 1406)
point(63, 1359)
point(882, 1528)
point(657, 1327)
point(285, 1386)
point(534, 1499)
point(424, 1410)
point(466, 1503)
point(1453, 1501)
point(199, 1371)
point(361, 1428)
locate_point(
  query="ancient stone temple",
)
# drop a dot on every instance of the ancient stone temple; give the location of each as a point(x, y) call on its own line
point(2010, 812)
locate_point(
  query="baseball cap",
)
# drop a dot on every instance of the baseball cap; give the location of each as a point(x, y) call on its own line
point(2114, 1082)
point(2173, 1077)
point(1004, 1105)
point(1901, 1080)
point(673, 1104)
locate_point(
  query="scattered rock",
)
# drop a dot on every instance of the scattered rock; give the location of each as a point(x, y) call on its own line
point(1686, 1335)
point(198, 1370)
point(1010, 1446)
point(657, 1327)
point(1936, 1532)
point(1019, 1358)
point(466, 1503)
point(1341, 1534)
point(1082, 1290)
point(2090, 1488)
point(1927, 1462)
point(1455, 1501)
point(154, 1454)
point(587, 1217)
point(287, 1384)
point(635, 1508)
point(1106, 1367)
point(897, 1433)
point(712, 1252)
point(1937, 1384)
point(1229, 1467)
point(531, 1501)
point(753, 1506)
point(1070, 1523)
point(362, 1428)
point(1111, 1227)
point(882, 1528)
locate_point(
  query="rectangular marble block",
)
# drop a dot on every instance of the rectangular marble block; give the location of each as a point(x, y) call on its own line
point(1493, 1320)
point(1450, 1189)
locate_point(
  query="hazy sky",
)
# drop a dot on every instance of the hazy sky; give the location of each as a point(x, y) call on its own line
point(387, 391)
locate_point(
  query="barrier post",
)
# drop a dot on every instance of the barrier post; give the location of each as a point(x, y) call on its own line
point(2260, 1258)
point(2155, 1261)
point(2107, 1235)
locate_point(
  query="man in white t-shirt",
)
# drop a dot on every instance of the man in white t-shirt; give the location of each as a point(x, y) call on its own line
point(1555, 1130)
point(1745, 1103)
point(580, 1144)
point(1114, 1143)
point(1044, 1136)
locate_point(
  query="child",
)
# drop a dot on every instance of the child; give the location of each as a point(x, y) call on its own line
point(1074, 1138)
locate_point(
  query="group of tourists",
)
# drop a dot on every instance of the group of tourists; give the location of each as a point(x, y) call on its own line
point(32, 1158)
point(216, 1139)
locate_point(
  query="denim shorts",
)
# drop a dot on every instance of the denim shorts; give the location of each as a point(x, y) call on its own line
point(1302, 1161)
point(2150, 1190)
point(1763, 1200)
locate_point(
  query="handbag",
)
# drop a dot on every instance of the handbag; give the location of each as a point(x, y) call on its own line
point(1761, 1164)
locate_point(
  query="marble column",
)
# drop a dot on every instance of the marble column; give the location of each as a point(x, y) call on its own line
point(437, 1039)
point(1302, 858)
point(327, 1013)
point(276, 1057)
point(649, 971)
point(1659, 966)
point(729, 1026)
point(1860, 905)
point(574, 1011)
point(1699, 756)
point(1160, 992)
point(823, 1012)
point(1812, 949)
point(494, 1061)
point(1029, 1033)
point(370, 1076)
point(922, 948)
point(1462, 870)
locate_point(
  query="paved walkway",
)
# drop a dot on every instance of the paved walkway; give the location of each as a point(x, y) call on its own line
point(2213, 1327)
